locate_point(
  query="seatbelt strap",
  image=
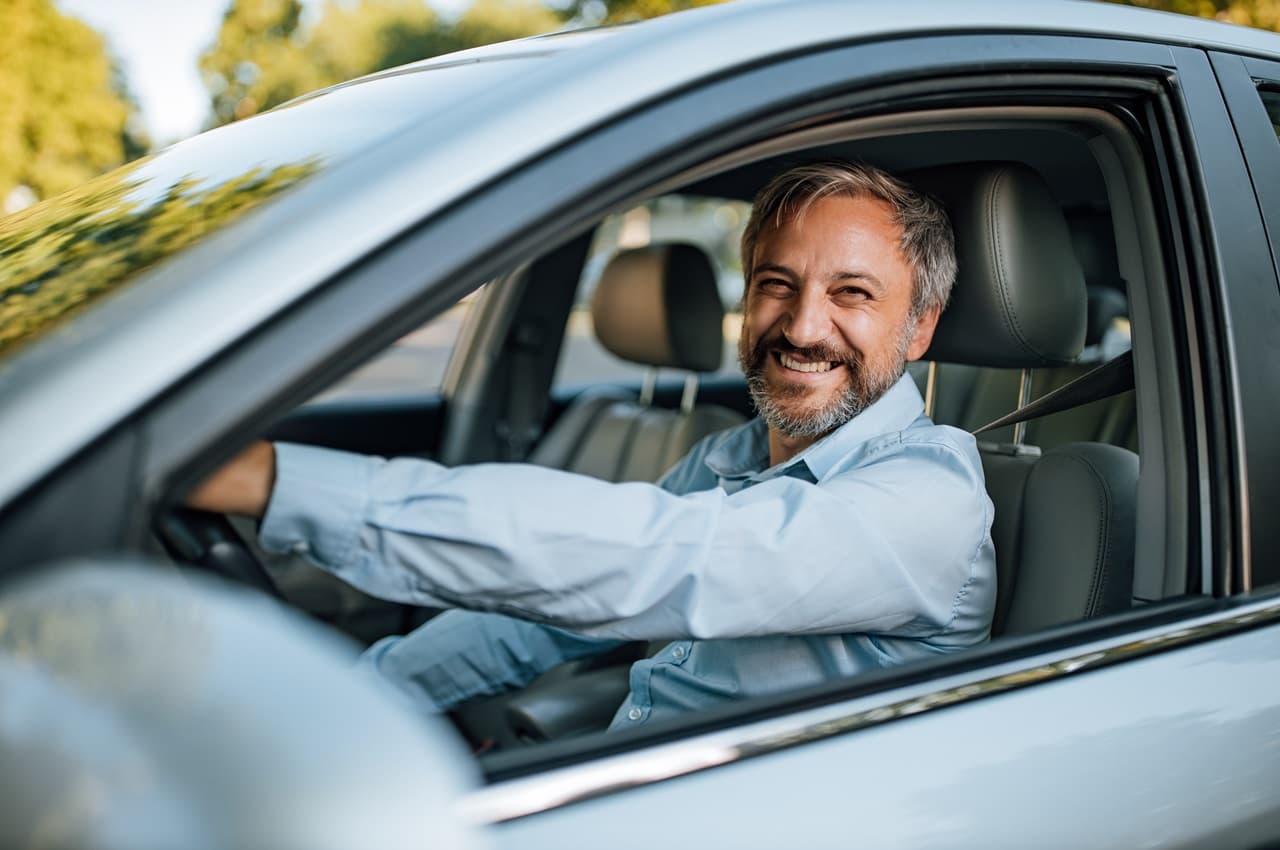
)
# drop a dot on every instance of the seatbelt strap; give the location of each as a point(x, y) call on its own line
point(1111, 378)
point(522, 425)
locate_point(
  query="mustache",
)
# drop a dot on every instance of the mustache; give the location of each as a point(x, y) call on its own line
point(776, 341)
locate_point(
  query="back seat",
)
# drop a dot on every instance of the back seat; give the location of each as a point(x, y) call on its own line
point(657, 306)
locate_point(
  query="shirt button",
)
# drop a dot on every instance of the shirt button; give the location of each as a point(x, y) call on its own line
point(634, 714)
point(678, 652)
point(300, 548)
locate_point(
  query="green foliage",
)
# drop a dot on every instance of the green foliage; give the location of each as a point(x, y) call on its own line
point(487, 21)
point(350, 40)
point(621, 11)
point(1263, 14)
point(255, 61)
point(265, 56)
point(64, 115)
point(62, 254)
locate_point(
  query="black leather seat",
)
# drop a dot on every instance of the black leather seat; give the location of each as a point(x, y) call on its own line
point(658, 306)
point(970, 397)
point(1064, 520)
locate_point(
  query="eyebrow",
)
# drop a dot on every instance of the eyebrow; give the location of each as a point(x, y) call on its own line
point(863, 276)
point(866, 277)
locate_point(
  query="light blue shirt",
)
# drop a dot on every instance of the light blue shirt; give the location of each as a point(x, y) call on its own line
point(870, 548)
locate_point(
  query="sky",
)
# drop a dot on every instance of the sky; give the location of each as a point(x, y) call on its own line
point(158, 43)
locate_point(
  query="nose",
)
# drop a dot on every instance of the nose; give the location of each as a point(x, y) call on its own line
point(809, 321)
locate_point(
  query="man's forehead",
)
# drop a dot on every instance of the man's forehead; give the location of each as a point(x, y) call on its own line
point(794, 213)
point(871, 216)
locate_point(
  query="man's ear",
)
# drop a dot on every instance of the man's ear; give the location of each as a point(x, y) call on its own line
point(922, 336)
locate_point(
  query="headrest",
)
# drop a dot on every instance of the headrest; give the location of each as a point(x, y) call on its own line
point(660, 306)
point(1019, 299)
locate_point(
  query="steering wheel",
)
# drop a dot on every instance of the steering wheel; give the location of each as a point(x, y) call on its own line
point(209, 541)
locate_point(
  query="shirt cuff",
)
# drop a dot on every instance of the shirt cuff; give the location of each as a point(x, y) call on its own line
point(317, 506)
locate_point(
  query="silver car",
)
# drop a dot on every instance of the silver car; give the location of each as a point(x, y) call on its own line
point(403, 265)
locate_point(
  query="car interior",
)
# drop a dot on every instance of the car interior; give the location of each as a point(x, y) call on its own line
point(1058, 242)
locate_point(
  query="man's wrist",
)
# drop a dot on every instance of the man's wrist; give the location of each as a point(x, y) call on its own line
point(242, 486)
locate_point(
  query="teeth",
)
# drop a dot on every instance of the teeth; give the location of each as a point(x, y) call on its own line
point(801, 366)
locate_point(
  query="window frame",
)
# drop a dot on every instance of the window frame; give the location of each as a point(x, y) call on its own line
point(1074, 656)
point(1248, 191)
point(594, 174)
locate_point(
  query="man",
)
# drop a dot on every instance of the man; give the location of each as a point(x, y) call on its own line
point(839, 532)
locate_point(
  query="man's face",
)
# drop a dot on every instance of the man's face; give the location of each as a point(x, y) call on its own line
point(828, 327)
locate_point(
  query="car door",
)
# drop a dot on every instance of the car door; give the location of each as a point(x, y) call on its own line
point(1161, 710)
point(1152, 727)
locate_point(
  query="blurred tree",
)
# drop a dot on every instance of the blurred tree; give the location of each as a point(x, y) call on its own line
point(64, 112)
point(1264, 14)
point(487, 21)
point(256, 61)
point(350, 40)
point(265, 55)
point(620, 11)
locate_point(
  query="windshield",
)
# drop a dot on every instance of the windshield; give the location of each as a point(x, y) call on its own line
point(66, 253)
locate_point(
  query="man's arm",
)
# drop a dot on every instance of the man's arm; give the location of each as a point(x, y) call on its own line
point(632, 561)
point(454, 657)
point(242, 486)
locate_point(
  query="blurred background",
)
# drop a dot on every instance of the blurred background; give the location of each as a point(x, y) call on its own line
point(86, 85)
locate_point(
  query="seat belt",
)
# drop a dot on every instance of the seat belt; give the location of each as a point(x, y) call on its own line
point(521, 427)
point(1111, 378)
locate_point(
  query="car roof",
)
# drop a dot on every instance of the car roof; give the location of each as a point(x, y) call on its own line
point(190, 307)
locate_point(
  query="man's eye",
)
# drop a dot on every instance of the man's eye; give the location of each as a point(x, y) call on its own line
point(773, 284)
point(853, 293)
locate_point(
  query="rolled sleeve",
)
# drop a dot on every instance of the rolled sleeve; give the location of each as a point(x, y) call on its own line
point(318, 503)
point(633, 561)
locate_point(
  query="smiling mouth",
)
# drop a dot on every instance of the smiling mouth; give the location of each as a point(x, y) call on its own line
point(796, 365)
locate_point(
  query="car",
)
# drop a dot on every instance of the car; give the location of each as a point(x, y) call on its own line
point(399, 265)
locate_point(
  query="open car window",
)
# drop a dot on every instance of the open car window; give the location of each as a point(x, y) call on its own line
point(965, 396)
point(414, 365)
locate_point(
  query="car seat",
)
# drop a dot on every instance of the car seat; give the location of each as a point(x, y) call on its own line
point(658, 306)
point(1064, 519)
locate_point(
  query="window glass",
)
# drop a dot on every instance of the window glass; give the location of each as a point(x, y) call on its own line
point(412, 365)
point(1271, 101)
point(712, 223)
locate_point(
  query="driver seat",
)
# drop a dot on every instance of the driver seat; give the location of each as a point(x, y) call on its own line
point(1064, 519)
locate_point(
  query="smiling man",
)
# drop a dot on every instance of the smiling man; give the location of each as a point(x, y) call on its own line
point(847, 272)
point(839, 532)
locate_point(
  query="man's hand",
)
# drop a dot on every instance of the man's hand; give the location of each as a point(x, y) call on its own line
point(242, 486)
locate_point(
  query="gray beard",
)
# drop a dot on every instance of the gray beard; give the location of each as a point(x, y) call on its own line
point(863, 388)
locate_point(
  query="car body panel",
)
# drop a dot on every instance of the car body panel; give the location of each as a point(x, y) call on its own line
point(1168, 743)
point(1100, 759)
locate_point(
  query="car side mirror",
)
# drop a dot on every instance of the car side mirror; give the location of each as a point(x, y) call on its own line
point(142, 708)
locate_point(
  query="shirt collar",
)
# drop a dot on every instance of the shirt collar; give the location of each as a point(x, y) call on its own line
point(745, 451)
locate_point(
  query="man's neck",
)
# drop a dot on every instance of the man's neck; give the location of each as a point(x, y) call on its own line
point(783, 448)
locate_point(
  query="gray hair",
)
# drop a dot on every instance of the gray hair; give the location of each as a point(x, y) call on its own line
point(927, 240)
